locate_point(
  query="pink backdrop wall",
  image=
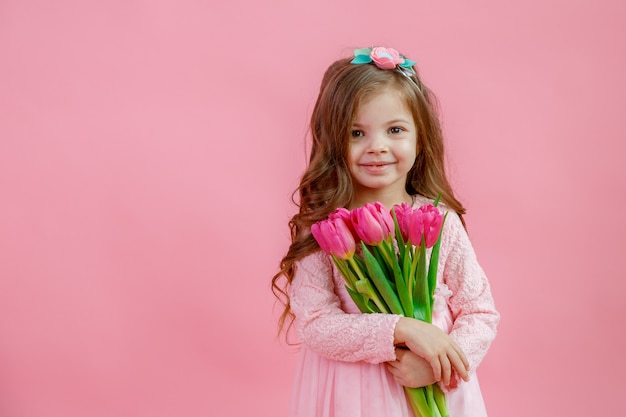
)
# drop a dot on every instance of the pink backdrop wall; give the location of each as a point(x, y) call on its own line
point(148, 150)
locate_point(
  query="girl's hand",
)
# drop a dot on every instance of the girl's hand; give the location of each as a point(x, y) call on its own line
point(437, 348)
point(411, 370)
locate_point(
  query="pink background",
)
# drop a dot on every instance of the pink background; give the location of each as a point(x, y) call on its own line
point(148, 150)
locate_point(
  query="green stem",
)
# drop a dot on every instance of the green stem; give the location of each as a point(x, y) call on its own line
point(430, 397)
point(356, 268)
point(343, 267)
point(440, 400)
point(417, 399)
point(412, 269)
point(365, 288)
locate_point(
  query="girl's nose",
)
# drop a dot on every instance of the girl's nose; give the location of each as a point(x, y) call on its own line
point(378, 146)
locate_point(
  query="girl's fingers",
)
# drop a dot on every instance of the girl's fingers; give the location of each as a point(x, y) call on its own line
point(461, 366)
point(436, 365)
point(392, 366)
point(446, 369)
point(463, 358)
point(466, 365)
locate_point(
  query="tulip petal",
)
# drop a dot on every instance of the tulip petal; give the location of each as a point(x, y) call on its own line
point(319, 237)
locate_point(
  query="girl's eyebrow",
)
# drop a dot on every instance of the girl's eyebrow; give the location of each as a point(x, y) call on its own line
point(390, 122)
point(398, 121)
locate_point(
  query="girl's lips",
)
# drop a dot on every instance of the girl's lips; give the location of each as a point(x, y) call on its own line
point(376, 166)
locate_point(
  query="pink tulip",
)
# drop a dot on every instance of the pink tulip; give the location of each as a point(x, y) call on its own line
point(425, 221)
point(334, 237)
point(372, 223)
point(345, 215)
point(404, 212)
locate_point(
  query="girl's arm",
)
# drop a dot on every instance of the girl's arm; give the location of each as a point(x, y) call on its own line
point(473, 310)
point(431, 343)
point(328, 330)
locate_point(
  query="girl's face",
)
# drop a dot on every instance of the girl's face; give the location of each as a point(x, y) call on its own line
point(382, 147)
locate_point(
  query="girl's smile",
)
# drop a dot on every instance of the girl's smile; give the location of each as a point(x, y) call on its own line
point(377, 167)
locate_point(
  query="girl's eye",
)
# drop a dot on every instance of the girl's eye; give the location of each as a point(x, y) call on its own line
point(357, 134)
point(396, 130)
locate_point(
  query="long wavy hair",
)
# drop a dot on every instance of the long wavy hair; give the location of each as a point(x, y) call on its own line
point(327, 184)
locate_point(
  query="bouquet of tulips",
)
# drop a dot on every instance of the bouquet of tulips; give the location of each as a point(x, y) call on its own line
point(389, 274)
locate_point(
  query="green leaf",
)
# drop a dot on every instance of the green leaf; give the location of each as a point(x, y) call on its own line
point(405, 297)
point(407, 271)
point(420, 313)
point(381, 282)
point(360, 301)
point(399, 239)
point(421, 297)
point(407, 63)
point(434, 262)
point(398, 282)
point(436, 202)
point(364, 287)
point(380, 255)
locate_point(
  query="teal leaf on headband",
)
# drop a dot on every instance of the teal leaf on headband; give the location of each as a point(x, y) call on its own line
point(407, 63)
point(361, 59)
point(363, 51)
point(362, 56)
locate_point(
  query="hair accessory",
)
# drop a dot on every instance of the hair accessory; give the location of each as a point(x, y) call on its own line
point(384, 58)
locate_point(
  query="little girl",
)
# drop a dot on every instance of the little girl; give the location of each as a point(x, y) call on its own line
point(376, 137)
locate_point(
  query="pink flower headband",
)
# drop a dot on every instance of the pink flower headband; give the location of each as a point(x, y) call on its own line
point(384, 58)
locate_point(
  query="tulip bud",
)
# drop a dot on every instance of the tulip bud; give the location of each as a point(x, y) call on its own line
point(345, 215)
point(372, 223)
point(334, 237)
point(403, 212)
point(426, 221)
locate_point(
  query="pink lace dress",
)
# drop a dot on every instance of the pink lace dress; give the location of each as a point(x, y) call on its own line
point(341, 371)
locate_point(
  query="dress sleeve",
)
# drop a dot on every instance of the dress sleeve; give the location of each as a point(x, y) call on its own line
point(473, 311)
point(326, 328)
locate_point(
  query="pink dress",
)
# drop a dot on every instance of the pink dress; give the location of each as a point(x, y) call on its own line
point(341, 370)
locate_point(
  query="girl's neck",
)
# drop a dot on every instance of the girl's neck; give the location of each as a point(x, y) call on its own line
point(387, 200)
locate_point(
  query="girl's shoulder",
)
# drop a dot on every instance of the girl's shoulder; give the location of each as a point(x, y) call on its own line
point(314, 261)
